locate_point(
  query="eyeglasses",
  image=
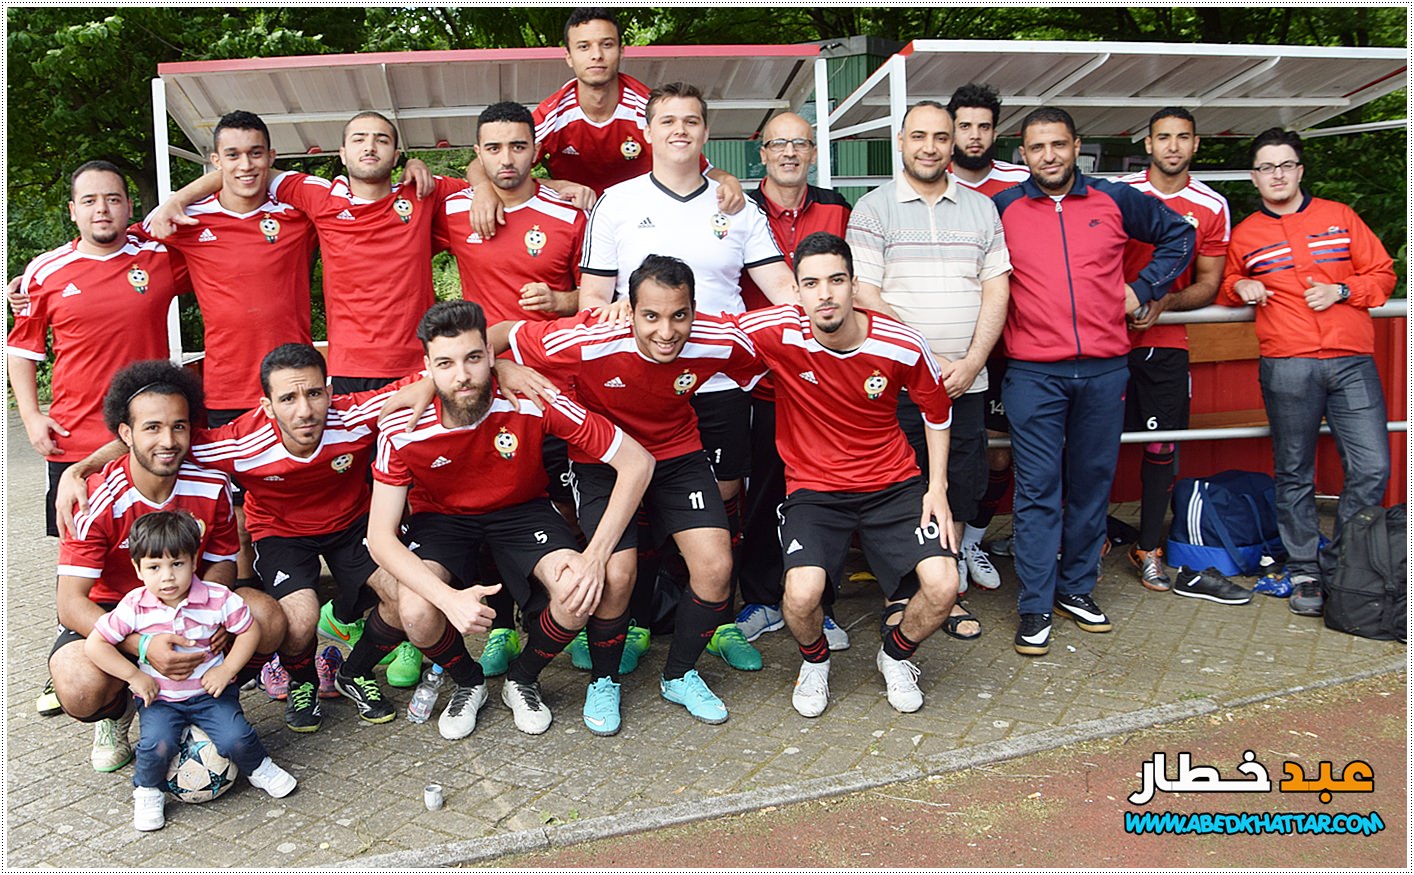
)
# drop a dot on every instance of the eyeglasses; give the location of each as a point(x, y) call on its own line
point(1269, 169)
point(779, 144)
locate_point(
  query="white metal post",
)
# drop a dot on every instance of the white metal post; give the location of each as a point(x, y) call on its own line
point(898, 105)
point(823, 171)
point(164, 191)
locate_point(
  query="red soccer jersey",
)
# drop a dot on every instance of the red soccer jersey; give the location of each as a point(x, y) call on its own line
point(596, 154)
point(292, 497)
point(98, 547)
point(1207, 212)
point(1001, 177)
point(251, 275)
point(540, 243)
point(652, 401)
point(836, 412)
point(377, 269)
point(107, 312)
point(492, 464)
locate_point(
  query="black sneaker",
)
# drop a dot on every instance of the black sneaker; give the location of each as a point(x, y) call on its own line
point(364, 691)
point(302, 712)
point(1307, 599)
point(1211, 585)
point(1033, 635)
point(1083, 610)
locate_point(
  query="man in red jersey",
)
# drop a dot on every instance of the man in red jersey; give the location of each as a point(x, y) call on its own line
point(850, 469)
point(375, 239)
point(1157, 397)
point(642, 376)
point(149, 407)
point(470, 471)
point(590, 132)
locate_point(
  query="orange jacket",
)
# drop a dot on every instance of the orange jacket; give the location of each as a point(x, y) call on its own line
point(1325, 241)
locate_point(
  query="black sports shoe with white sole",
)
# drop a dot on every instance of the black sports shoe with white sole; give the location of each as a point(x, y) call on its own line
point(1033, 635)
point(1083, 610)
point(1209, 584)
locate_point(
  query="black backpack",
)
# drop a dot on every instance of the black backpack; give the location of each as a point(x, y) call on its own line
point(1365, 571)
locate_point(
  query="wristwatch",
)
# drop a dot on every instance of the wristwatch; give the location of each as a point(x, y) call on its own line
point(1344, 292)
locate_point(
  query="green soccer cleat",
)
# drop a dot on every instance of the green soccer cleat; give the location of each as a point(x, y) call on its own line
point(502, 646)
point(728, 643)
point(636, 643)
point(406, 668)
point(347, 633)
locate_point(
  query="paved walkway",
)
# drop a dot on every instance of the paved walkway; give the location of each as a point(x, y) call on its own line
point(360, 794)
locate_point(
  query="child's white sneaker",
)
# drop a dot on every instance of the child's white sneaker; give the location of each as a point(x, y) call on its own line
point(149, 808)
point(272, 779)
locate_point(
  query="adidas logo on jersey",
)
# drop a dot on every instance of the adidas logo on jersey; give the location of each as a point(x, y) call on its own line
point(795, 547)
point(274, 478)
point(206, 236)
point(280, 577)
point(345, 215)
point(809, 377)
point(474, 238)
point(616, 383)
point(441, 460)
point(70, 290)
point(569, 150)
point(646, 223)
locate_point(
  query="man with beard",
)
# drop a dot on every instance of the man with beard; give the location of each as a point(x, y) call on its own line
point(1068, 362)
point(932, 254)
point(1157, 397)
point(149, 407)
point(375, 239)
point(849, 468)
point(470, 471)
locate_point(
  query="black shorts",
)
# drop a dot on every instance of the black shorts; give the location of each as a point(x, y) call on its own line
point(52, 472)
point(287, 565)
point(816, 528)
point(967, 449)
point(996, 410)
point(215, 419)
point(724, 421)
point(1159, 386)
point(350, 385)
point(69, 636)
point(682, 495)
point(519, 537)
point(554, 454)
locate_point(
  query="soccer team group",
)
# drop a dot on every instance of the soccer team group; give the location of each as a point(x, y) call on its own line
point(644, 356)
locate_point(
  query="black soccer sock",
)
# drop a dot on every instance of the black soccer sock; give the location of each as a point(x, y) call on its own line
point(696, 622)
point(300, 666)
point(546, 638)
point(733, 508)
point(1156, 482)
point(998, 482)
point(502, 602)
point(606, 645)
point(897, 645)
point(818, 652)
point(379, 639)
point(114, 709)
point(251, 670)
point(450, 652)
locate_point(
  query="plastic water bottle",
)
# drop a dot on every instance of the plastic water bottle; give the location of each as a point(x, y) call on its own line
point(424, 698)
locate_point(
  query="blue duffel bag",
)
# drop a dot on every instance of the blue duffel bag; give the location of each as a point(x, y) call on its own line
point(1227, 521)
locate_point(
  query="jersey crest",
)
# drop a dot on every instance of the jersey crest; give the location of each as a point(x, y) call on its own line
point(342, 462)
point(270, 227)
point(874, 385)
point(506, 443)
point(403, 207)
point(684, 382)
point(630, 149)
point(535, 240)
point(138, 278)
point(721, 225)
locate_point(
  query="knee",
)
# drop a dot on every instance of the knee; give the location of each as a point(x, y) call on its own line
point(712, 574)
point(418, 614)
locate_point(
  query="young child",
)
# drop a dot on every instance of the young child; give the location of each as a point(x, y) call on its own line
point(172, 600)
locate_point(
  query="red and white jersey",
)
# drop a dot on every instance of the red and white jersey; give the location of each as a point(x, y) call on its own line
point(1001, 177)
point(836, 412)
point(251, 276)
point(652, 401)
point(98, 547)
point(206, 608)
point(377, 269)
point(107, 311)
point(540, 243)
point(1207, 212)
point(491, 464)
point(293, 497)
point(596, 154)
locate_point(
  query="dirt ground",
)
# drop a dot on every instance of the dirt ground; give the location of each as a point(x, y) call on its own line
point(1065, 808)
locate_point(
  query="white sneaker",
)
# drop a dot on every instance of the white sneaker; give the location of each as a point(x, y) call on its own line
point(272, 779)
point(901, 679)
point(149, 809)
point(111, 748)
point(531, 715)
point(459, 719)
point(812, 689)
point(835, 637)
point(961, 576)
point(980, 568)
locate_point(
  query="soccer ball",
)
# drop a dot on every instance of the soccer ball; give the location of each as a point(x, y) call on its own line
point(198, 772)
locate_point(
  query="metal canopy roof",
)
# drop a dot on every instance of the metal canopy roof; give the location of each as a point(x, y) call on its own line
point(436, 97)
point(1112, 88)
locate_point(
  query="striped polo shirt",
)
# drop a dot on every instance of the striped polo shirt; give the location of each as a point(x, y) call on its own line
point(930, 260)
point(207, 607)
